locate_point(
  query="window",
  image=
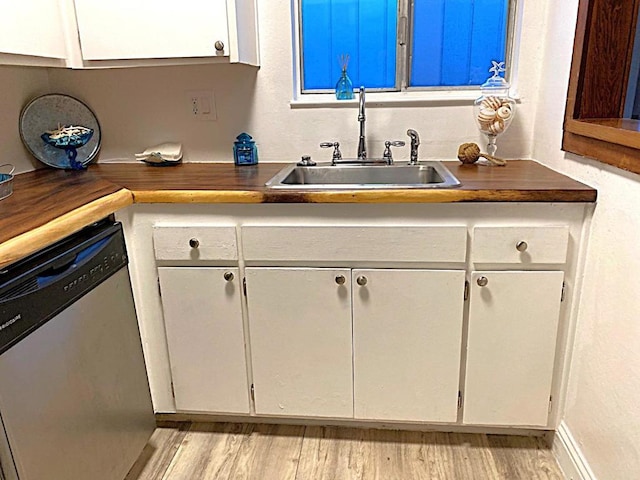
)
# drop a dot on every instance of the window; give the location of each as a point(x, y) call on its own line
point(603, 83)
point(402, 44)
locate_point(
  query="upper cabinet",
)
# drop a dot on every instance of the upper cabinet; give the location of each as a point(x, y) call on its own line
point(148, 29)
point(34, 33)
point(120, 33)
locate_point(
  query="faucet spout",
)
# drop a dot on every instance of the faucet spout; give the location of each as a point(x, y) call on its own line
point(362, 149)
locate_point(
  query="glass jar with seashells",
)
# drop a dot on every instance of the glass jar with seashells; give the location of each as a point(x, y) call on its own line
point(494, 109)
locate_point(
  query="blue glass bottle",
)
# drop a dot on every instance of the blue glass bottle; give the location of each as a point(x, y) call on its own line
point(245, 151)
point(344, 87)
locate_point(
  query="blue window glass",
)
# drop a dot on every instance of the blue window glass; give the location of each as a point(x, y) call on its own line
point(453, 42)
point(363, 29)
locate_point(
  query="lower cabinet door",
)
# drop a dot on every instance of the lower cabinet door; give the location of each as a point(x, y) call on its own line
point(203, 321)
point(300, 328)
point(407, 337)
point(513, 323)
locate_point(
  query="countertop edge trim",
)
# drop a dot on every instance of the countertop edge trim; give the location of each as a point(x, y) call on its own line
point(351, 196)
point(197, 196)
point(29, 242)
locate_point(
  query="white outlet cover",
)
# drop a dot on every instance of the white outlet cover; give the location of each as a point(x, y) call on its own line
point(201, 105)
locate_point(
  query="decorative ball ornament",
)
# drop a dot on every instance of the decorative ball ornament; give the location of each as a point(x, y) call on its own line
point(469, 153)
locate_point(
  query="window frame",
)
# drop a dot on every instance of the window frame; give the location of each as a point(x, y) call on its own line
point(597, 129)
point(404, 57)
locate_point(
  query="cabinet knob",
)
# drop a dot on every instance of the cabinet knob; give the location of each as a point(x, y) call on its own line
point(340, 279)
point(194, 243)
point(228, 276)
point(219, 46)
point(521, 246)
point(483, 281)
point(362, 280)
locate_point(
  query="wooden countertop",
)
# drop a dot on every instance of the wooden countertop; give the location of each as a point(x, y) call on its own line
point(519, 181)
point(49, 204)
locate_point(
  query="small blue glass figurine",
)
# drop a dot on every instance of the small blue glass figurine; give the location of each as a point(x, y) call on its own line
point(245, 151)
point(69, 138)
point(344, 87)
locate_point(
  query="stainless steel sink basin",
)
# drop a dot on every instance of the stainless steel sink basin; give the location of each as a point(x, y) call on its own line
point(362, 177)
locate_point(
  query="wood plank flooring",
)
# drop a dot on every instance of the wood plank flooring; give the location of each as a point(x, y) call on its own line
point(220, 451)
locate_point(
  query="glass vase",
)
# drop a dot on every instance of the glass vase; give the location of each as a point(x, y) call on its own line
point(494, 109)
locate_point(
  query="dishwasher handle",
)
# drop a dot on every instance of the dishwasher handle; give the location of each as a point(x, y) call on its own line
point(69, 263)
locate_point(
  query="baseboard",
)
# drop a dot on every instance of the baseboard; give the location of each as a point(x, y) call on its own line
point(173, 419)
point(569, 456)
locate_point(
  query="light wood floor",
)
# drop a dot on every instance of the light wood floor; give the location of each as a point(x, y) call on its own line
point(207, 451)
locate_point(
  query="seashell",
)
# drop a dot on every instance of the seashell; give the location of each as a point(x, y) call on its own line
point(486, 115)
point(504, 112)
point(491, 102)
point(497, 127)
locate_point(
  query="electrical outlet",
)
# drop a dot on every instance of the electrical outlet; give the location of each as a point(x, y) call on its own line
point(202, 105)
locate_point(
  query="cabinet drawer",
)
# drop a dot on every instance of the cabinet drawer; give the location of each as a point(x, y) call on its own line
point(520, 245)
point(195, 243)
point(355, 244)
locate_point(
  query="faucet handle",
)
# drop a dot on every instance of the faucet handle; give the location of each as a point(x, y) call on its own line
point(387, 150)
point(337, 155)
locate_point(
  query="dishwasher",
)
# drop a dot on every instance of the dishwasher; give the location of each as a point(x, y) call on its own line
point(74, 394)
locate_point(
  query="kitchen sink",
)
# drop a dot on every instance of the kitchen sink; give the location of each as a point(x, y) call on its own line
point(430, 174)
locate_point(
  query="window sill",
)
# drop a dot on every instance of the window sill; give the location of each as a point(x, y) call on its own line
point(389, 99)
point(615, 141)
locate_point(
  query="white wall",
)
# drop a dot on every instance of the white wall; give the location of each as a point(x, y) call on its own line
point(18, 85)
point(145, 106)
point(603, 406)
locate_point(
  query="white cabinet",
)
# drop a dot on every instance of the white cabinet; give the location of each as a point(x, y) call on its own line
point(524, 245)
point(195, 244)
point(203, 321)
point(300, 328)
point(407, 335)
point(513, 323)
point(122, 33)
point(405, 363)
point(315, 343)
point(33, 29)
point(148, 29)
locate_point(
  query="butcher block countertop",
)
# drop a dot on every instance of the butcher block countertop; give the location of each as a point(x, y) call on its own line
point(49, 204)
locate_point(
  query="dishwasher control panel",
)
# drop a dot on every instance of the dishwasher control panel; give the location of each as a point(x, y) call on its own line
point(56, 279)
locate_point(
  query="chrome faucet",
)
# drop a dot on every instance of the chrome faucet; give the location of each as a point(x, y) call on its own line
point(415, 142)
point(362, 149)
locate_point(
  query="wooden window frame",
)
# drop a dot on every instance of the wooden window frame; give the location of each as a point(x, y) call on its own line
point(594, 125)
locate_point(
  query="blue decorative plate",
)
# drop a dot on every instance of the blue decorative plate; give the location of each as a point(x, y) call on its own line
point(49, 112)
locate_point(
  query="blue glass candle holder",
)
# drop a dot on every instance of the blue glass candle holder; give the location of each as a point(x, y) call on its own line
point(245, 151)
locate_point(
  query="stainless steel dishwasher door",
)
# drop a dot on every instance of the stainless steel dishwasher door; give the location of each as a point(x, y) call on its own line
point(74, 396)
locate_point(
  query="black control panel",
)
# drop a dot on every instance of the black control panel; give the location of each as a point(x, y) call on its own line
point(39, 287)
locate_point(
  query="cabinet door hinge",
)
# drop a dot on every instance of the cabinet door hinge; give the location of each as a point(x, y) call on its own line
point(459, 399)
point(253, 393)
point(173, 391)
point(550, 403)
point(159, 289)
point(466, 290)
point(244, 286)
point(564, 288)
